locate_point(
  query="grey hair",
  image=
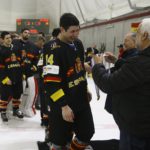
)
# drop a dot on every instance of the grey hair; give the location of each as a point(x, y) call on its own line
point(145, 26)
point(132, 35)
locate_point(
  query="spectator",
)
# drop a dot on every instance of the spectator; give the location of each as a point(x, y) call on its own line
point(121, 50)
point(130, 86)
point(129, 51)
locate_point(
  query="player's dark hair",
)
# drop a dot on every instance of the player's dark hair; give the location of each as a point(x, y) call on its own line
point(56, 32)
point(67, 20)
point(22, 30)
point(4, 33)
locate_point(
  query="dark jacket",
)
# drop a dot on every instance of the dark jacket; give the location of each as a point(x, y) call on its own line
point(130, 89)
point(126, 55)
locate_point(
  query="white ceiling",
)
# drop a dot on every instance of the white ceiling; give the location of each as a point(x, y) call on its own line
point(88, 10)
point(85, 10)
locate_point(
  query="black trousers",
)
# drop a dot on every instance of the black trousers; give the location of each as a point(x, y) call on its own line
point(61, 131)
point(130, 142)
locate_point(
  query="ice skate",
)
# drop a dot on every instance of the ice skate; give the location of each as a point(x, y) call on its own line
point(4, 117)
point(18, 113)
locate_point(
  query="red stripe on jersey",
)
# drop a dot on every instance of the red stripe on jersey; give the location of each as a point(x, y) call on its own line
point(53, 79)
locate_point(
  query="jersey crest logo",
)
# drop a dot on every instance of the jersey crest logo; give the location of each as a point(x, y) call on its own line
point(13, 57)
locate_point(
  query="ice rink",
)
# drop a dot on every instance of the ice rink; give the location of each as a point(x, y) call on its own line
point(23, 134)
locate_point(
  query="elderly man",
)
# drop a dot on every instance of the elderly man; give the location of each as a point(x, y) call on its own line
point(129, 51)
point(130, 89)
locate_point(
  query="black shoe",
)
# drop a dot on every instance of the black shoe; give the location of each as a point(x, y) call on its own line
point(37, 107)
point(4, 117)
point(18, 113)
point(43, 145)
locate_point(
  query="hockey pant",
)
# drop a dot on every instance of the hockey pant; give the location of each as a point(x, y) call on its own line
point(9, 92)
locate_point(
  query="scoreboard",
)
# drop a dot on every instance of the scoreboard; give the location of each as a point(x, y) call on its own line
point(34, 25)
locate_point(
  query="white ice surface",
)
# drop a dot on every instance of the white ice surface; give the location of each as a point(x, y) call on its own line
point(23, 134)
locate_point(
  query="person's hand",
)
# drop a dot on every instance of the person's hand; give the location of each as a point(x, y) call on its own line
point(34, 68)
point(87, 67)
point(89, 96)
point(98, 59)
point(110, 57)
point(67, 114)
point(9, 82)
